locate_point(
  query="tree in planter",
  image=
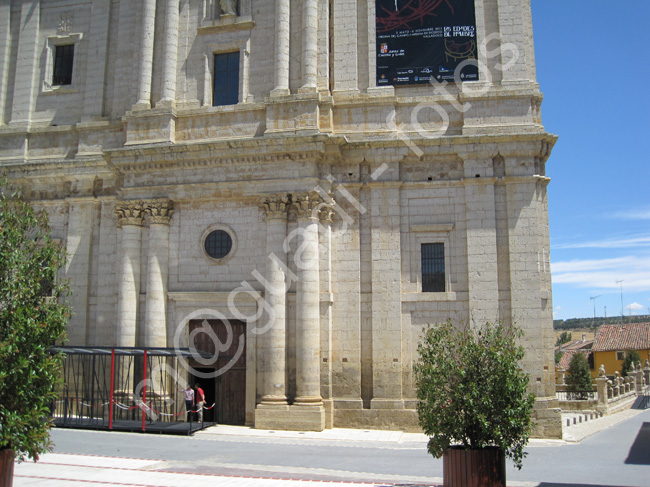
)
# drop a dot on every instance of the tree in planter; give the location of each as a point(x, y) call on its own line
point(472, 390)
point(579, 380)
point(631, 357)
point(32, 319)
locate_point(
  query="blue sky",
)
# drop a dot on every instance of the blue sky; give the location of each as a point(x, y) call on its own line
point(593, 66)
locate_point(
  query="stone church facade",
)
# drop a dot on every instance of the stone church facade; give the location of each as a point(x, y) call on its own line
point(210, 161)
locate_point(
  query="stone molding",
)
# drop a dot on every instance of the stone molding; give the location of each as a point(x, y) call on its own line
point(133, 213)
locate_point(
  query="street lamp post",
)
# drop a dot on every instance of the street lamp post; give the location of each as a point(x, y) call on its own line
point(621, 284)
point(593, 298)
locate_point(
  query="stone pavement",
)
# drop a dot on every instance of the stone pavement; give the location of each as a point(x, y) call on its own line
point(66, 469)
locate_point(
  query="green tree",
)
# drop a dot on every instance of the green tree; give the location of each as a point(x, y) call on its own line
point(472, 390)
point(32, 318)
point(564, 337)
point(579, 380)
point(631, 357)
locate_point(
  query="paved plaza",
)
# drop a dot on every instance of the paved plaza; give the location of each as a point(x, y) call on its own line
point(609, 451)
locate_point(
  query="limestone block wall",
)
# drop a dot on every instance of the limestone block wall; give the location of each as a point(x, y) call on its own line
point(459, 165)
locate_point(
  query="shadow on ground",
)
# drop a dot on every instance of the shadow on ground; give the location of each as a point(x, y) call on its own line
point(640, 451)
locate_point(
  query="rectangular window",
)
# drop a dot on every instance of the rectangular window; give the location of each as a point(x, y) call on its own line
point(226, 79)
point(620, 355)
point(433, 267)
point(63, 56)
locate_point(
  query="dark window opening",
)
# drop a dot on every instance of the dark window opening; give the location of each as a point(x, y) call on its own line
point(226, 79)
point(63, 57)
point(218, 244)
point(433, 267)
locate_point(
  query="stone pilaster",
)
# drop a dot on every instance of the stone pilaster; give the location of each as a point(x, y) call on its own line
point(146, 54)
point(96, 64)
point(78, 245)
point(326, 300)
point(170, 53)
point(282, 36)
point(386, 297)
point(155, 322)
point(344, 47)
point(29, 48)
point(130, 218)
point(482, 257)
point(309, 46)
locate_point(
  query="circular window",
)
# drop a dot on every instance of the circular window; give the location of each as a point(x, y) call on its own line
point(218, 244)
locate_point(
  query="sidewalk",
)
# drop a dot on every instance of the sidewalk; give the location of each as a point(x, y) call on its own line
point(73, 469)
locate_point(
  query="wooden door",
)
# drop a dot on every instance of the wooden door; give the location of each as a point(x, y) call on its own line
point(229, 365)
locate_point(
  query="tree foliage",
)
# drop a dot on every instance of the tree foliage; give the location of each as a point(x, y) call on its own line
point(564, 337)
point(472, 390)
point(32, 319)
point(579, 379)
point(631, 357)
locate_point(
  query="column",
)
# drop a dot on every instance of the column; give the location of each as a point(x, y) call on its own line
point(146, 54)
point(5, 59)
point(155, 322)
point(96, 61)
point(273, 341)
point(282, 36)
point(130, 219)
point(170, 53)
point(515, 29)
point(307, 303)
point(309, 46)
point(28, 49)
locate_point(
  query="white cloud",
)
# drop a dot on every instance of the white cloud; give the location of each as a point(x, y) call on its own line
point(634, 271)
point(634, 241)
point(638, 214)
point(634, 306)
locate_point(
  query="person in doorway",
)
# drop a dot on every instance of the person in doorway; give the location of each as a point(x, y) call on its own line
point(200, 401)
point(189, 400)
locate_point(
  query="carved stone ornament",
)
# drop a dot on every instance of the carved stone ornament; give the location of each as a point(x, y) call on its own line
point(228, 7)
point(601, 370)
point(276, 207)
point(326, 213)
point(160, 211)
point(309, 205)
point(129, 213)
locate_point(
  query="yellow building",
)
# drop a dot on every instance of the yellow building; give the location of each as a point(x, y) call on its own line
point(613, 342)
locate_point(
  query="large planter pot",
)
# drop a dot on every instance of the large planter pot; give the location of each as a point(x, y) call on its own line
point(474, 468)
point(6, 468)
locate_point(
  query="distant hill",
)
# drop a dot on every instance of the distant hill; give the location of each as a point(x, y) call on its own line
point(586, 323)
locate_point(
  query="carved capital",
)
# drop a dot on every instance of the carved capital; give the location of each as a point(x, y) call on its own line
point(325, 214)
point(160, 210)
point(275, 208)
point(309, 205)
point(129, 213)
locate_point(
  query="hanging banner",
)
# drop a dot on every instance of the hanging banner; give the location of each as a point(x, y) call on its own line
point(418, 40)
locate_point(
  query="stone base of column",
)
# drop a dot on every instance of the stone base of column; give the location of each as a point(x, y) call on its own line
point(280, 92)
point(379, 403)
point(290, 418)
point(547, 418)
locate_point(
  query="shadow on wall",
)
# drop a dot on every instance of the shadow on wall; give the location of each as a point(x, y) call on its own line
point(640, 451)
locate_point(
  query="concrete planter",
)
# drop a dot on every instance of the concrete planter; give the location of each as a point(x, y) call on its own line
point(6, 468)
point(474, 468)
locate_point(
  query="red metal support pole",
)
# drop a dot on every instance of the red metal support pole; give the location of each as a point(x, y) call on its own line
point(110, 414)
point(144, 391)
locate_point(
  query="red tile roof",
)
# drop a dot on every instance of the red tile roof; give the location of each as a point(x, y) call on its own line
point(633, 336)
point(574, 345)
point(565, 361)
